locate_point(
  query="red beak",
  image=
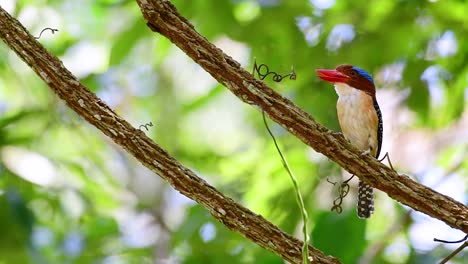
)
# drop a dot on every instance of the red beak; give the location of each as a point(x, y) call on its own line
point(332, 76)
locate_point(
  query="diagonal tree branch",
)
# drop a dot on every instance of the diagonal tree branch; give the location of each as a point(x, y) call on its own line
point(134, 141)
point(163, 18)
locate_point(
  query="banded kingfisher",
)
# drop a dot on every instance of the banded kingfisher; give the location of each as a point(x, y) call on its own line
point(360, 119)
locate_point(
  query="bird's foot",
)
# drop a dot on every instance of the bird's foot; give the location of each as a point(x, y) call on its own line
point(365, 152)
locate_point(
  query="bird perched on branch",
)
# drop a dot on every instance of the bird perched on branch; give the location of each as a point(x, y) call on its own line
point(360, 119)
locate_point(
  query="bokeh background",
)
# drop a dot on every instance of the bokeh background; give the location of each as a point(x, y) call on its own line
point(69, 195)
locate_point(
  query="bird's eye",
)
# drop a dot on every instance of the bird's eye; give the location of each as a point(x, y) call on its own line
point(353, 73)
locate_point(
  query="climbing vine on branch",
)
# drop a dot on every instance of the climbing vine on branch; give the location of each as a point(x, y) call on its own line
point(163, 18)
point(233, 215)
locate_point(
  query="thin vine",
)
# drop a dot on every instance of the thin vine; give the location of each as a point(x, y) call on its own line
point(262, 72)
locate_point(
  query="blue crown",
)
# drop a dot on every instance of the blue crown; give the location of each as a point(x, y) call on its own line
point(364, 74)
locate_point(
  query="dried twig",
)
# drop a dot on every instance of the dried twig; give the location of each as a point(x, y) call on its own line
point(455, 252)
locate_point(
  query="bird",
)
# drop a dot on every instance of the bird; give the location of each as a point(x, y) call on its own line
point(360, 119)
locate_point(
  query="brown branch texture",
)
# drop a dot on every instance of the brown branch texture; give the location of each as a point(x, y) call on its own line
point(164, 18)
point(236, 217)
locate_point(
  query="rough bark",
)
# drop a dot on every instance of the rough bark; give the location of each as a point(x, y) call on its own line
point(233, 215)
point(163, 18)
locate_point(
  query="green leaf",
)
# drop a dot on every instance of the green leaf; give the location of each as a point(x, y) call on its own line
point(126, 41)
point(19, 116)
point(340, 235)
point(205, 99)
point(418, 100)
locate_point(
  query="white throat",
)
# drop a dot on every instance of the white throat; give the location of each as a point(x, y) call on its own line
point(346, 92)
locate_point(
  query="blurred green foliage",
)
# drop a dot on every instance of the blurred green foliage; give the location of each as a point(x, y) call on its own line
point(69, 195)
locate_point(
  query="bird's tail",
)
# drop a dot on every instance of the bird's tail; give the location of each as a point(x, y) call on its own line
point(365, 202)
